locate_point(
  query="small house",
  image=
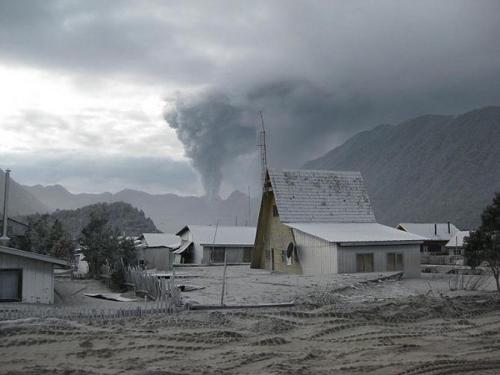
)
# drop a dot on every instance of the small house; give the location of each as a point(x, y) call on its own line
point(210, 244)
point(436, 235)
point(26, 276)
point(154, 250)
point(319, 222)
point(455, 246)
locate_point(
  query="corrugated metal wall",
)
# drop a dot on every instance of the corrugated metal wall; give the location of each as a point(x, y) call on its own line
point(158, 257)
point(316, 256)
point(411, 258)
point(38, 278)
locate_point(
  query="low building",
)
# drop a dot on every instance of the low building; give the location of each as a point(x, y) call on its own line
point(26, 276)
point(319, 222)
point(455, 246)
point(209, 244)
point(154, 250)
point(436, 235)
point(433, 250)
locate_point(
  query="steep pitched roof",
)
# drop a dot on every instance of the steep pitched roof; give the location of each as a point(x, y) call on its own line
point(430, 231)
point(355, 233)
point(225, 235)
point(305, 196)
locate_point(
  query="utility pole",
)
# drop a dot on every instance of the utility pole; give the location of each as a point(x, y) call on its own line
point(263, 151)
point(4, 240)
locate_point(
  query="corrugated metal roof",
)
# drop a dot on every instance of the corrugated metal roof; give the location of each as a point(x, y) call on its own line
point(304, 196)
point(355, 232)
point(183, 248)
point(428, 230)
point(457, 240)
point(226, 235)
point(162, 240)
point(34, 256)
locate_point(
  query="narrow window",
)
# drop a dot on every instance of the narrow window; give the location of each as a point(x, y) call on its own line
point(364, 262)
point(395, 262)
point(275, 211)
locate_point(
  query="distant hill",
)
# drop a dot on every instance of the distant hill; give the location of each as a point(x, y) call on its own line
point(169, 211)
point(121, 215)
point(21, 201)
point(429, 169)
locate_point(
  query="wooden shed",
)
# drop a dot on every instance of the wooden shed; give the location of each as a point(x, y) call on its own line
point(26, 276)
point(318, 222)
point(155, 250)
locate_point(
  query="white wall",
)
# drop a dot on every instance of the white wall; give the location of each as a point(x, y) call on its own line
point(316, 256)
point(38, 278)
point(411, 258)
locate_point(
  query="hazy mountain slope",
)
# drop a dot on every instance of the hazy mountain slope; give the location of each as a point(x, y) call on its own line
point(169, 211)
point(121, 215)
point(432, 168)
point(21, 202)
point(57, 197)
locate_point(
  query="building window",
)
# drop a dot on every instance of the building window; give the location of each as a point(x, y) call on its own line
point(217, 255)
point(364, 262)
point(11, 281)
point(395, 262)
point(275, 211)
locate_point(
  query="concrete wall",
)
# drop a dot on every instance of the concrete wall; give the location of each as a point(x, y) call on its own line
point(411, 258)
point(158, 257)
point(272, 239)
point(38, 278)
point(316, 256)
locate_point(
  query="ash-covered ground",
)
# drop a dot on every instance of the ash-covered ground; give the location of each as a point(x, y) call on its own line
point(415, 326)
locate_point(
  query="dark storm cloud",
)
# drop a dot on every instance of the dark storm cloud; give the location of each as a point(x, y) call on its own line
point(320, 71)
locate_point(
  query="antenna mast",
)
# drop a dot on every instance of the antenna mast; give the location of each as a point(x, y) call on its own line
point(263, 152)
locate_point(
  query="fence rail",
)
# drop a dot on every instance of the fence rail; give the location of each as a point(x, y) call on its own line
point(78, 313)
point(161, 296)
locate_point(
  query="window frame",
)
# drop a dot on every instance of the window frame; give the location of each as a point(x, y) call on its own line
point(19, 272)
point(371, 255)
point(395, 265)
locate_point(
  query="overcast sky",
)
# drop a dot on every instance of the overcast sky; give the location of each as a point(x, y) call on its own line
point(163, 96)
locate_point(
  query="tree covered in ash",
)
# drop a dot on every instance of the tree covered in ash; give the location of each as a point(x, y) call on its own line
point(483, 245)
point(103, 245)
point(46, 236)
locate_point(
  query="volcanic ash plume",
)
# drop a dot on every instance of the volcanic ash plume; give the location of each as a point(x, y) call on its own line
point(212, 131)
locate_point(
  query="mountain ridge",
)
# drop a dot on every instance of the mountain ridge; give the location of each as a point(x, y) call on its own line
point(430, 168)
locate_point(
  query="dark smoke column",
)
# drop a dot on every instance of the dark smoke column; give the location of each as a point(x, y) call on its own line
point(212, 132)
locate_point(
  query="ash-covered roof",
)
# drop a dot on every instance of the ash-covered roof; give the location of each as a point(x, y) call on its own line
point(430, 231)
point(34, 256)
point(162, 240)
point(356, 233)
point(305, 196)
point(224, 235)
point(457, 240)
